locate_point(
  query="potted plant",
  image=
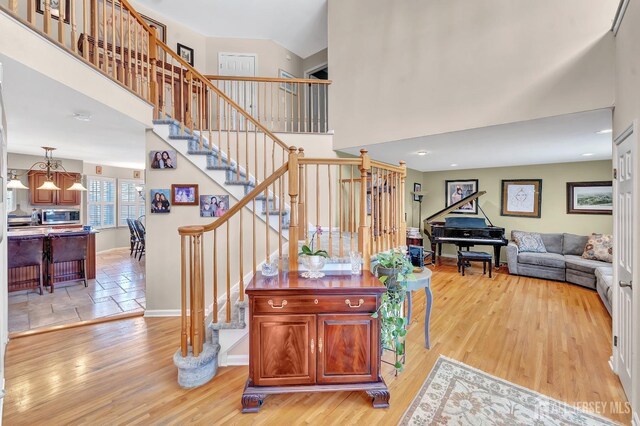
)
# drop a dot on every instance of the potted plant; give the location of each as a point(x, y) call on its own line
point(393, 269)
point(313, 260)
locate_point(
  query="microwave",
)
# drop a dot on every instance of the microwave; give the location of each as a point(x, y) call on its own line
point(59, 216)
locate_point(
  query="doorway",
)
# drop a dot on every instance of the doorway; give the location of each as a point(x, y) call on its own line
point(317, 98)
point(626, 215)
point(241, 92)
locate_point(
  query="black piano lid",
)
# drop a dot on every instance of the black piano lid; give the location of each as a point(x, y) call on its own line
point(455, 206)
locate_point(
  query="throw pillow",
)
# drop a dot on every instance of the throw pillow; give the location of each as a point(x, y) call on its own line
point(530, 242)
point(599, 247)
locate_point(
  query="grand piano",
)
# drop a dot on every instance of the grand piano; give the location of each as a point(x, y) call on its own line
point(464, 232)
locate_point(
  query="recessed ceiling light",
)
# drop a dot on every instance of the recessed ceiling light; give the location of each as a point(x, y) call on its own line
point(80, 116)
point(423, 152)
point(587, 154)
point(454, 165)
point(604, 131)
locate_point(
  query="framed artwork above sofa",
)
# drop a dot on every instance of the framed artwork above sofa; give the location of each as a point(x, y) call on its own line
point(590, 197)
point(521, 197)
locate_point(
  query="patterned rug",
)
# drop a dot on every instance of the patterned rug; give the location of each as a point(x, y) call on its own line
point(456, 394)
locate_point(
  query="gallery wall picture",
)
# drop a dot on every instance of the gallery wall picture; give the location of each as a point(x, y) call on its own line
point(213, 205)
point(160, 200)
point(456, 190)
point(184, 194)
point(185, 53)
point(54, 8)
point(521, 198)
point(416, 188)
point(590, 197)
point(163, 160)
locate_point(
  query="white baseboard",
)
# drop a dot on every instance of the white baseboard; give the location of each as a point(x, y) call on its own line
point(237, 360)
point(150, 313)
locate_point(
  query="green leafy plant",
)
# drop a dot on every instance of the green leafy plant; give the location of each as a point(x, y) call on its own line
point(308, 250)
point(393, 268)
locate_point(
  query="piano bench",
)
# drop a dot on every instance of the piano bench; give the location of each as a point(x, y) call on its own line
point(465, 257)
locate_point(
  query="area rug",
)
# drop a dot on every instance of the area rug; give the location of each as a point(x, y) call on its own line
point(456, 394)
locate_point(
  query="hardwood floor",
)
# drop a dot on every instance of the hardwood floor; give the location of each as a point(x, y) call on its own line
point(551, 337)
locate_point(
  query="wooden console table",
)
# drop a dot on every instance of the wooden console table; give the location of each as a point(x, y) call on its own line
point(314, 335)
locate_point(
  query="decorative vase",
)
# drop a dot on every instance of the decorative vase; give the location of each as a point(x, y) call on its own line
point(391, 273)
point(314, 265)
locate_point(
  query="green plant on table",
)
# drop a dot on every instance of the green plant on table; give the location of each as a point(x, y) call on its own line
point(393, 268)
point(308, 250)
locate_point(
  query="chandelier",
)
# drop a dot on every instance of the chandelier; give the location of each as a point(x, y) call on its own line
point(50, 165)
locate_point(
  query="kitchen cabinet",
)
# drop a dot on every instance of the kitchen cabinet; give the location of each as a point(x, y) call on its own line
point(63, 197)
point(314, 335)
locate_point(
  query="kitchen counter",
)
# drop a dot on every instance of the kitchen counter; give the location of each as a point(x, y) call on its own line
point(44, 230)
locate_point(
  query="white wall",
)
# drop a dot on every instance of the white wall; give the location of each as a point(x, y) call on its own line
point(413, 68)
point(312, 62)
point(627, 100)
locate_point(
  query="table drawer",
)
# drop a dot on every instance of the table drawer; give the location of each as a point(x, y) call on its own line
point(313, 304)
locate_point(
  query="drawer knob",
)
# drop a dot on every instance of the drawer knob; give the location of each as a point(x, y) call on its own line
point(282, 305)
point(315, 301)
point(348, 302)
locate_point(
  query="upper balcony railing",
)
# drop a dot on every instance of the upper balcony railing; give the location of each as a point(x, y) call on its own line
point(289, 105)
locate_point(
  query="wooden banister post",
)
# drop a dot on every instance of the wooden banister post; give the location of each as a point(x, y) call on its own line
point(192, 270)
point(293, 195)
point(301, 206)
point(153, 78)
point(13, 6)
point(401, 217)
point(363, 230)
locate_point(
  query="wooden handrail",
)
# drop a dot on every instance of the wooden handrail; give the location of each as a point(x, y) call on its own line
point(221, 94)
point(268, 79)
point(385, 166)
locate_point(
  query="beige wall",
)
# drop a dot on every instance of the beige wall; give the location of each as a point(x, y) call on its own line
point(410, 68)
point(627, 110)
point(554, 177)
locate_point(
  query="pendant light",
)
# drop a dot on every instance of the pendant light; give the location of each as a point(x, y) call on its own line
point(48, 164)
point(14, 182)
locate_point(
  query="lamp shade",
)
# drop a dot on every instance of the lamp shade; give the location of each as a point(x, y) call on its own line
point(49, 185)
point(77, 186)
point(15, 183)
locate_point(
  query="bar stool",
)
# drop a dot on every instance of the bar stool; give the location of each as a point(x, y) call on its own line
point(69, 247)
point(24, 252)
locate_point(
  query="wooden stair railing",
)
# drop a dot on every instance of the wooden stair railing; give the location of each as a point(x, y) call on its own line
point(289, 105)
point(112, 37)
point(358, 202)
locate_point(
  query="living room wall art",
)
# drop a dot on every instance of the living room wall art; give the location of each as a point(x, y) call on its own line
point(456, 190)
point(521, 198)
point(590, 197)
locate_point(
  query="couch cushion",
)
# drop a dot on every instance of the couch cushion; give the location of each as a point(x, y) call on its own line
point(574, 244)
point(552, 260)
point(599, 247)
point(530, 242)
point(584, 279)
point(585, 265)
point(553, 242)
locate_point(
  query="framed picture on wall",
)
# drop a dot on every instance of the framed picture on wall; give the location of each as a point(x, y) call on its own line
point(163, 160)
point(590, 197)
point(160, 200)
point(54, 6)
point(184, 194)
point(456, 190)
point(521, 198)
point(161, 29)
point(416, 188)
point(213, 205)
point(185, 53)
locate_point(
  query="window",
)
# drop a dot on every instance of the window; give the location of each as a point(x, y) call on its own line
point(131, 204)
point(101, 202)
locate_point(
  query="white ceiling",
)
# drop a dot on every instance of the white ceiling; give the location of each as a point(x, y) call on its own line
point(298, 25)
point(559, 139)
point(40, 113)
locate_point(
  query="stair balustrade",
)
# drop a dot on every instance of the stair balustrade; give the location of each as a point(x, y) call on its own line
point(339, 205)
point(289, 105)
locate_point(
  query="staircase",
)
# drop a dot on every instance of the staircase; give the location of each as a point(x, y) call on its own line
point(281, 197)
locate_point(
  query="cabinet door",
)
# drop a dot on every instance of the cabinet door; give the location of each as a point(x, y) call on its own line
point(40, 197)
point(283, 349)
point(67, 198)
point(348, 348)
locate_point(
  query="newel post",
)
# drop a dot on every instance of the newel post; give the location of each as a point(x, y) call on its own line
point(192, 289)
point(293, 195)
point(403, 218)
point(153, 78)
point(363, 230)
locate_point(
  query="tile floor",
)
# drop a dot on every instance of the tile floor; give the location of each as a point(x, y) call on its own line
point(119, 287)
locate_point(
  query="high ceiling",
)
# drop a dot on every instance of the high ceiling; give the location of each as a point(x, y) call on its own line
point(40, 112)
point(560, 139)
point(298, 25)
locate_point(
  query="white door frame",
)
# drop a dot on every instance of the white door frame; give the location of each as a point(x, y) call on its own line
point(629, 132)
point(254, 55)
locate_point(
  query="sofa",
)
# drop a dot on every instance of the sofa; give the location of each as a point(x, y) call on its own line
point(563, 261)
